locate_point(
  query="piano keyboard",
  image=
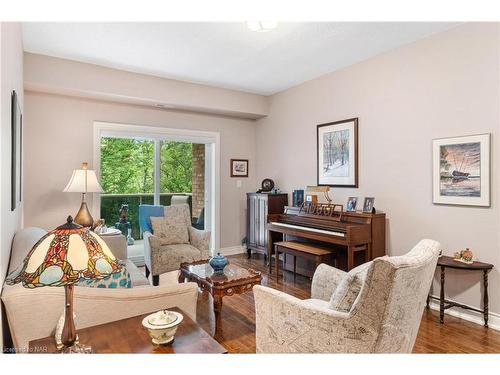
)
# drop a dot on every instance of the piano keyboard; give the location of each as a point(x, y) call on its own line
point(330, 232)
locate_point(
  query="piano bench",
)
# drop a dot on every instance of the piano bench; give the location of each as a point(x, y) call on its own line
point(299, 249)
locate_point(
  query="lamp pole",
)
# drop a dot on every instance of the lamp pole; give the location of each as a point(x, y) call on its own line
point(68, 337)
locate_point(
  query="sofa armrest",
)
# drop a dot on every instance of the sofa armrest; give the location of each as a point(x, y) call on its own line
point(325, 281)
point(201, 240)
point(33, 313)
point(117, 245)
point(285, 324)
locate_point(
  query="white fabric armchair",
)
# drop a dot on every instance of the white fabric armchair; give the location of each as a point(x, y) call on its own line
point(160, 256)
point(384, 317)
point(33, 313)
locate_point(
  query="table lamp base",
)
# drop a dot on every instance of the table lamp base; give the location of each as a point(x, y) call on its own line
point(76, 348)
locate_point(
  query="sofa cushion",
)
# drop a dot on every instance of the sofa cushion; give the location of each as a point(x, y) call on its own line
point(348, 289)
point(23, 242)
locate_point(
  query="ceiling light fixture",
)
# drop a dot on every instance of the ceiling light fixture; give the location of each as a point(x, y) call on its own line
point(262, 26)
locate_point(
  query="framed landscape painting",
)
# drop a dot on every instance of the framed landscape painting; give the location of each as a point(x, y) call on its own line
point(461, 170)
point(337, 153)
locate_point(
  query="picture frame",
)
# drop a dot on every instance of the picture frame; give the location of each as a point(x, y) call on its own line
point(461, 170)
point(16, 151)
point(368, 205)
point(337, 153)
point(311, 199)
point(239, 167)
point(351, 204)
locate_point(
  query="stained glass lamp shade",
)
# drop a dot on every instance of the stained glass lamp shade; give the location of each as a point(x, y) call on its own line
point(63, 257)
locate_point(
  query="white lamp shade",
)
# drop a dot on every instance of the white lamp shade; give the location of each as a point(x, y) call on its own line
point(83, 181)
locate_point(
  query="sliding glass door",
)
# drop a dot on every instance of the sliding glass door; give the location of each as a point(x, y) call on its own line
point(137, 171)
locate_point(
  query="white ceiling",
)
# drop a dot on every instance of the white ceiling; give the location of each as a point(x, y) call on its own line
point(225, 54)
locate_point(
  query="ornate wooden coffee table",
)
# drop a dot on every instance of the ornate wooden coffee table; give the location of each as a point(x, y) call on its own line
point(235, 280)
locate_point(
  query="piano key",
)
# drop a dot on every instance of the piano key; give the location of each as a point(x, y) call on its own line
point(330, 232)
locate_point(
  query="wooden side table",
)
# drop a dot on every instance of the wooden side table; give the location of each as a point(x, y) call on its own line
point(129, 336)
point(448, 262)
point(234, 280)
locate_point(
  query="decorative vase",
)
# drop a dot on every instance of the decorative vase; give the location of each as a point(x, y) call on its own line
point(218, 263)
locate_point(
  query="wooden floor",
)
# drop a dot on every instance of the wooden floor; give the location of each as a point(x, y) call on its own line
point(238, 319)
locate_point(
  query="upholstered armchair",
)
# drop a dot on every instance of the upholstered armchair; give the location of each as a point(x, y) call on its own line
point(381, 316)
point(173, 242)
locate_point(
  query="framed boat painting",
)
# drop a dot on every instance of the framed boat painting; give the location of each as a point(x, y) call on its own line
point(337, 153)
point(461, 170)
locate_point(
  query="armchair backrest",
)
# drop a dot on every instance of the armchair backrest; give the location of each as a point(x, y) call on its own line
point(181, 212)
point(394, 294)
point(145, 213)
point(179, 199)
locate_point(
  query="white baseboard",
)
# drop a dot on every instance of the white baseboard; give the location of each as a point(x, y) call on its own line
point(232, 250)
point(469, 315)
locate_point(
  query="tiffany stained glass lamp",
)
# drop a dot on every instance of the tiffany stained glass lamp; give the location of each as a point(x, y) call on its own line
point(63, 257)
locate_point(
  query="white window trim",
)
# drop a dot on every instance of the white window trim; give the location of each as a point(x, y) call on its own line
point(109, 129)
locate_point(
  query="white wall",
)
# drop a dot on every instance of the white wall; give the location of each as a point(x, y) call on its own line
point(58, 133)
point(445, 85)
point(11, 78)
point(72, 78)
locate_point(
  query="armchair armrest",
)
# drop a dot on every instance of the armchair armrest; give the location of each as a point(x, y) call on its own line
point(33, 313)
point(285, 324)
point(325, 281)
point(147, 248)
point(201, 240)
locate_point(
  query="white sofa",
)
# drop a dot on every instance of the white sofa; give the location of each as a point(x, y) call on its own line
point(384, 317)
point(33, 313)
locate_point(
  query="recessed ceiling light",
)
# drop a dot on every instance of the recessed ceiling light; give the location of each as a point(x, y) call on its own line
point(262, 26)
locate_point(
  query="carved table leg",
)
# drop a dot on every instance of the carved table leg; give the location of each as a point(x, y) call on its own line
point(485, 297)
point(217, 311)
point(182, 277)
point(441, 298)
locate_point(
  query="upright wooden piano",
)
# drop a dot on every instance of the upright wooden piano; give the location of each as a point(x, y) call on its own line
point(355, 237)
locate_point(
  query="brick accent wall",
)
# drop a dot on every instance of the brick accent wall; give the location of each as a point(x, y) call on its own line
point(198, 174)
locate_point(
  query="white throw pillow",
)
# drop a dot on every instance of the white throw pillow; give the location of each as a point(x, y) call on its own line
point(348, 289)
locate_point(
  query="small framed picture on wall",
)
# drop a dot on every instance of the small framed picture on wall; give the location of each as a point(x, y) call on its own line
point(239, 167)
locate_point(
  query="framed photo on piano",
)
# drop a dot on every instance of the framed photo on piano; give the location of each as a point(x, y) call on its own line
point(337, 153)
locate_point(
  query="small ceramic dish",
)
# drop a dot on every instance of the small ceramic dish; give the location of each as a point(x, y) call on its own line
point(162, 326)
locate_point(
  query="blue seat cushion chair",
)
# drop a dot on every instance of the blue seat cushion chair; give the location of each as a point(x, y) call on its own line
point(145, 213)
